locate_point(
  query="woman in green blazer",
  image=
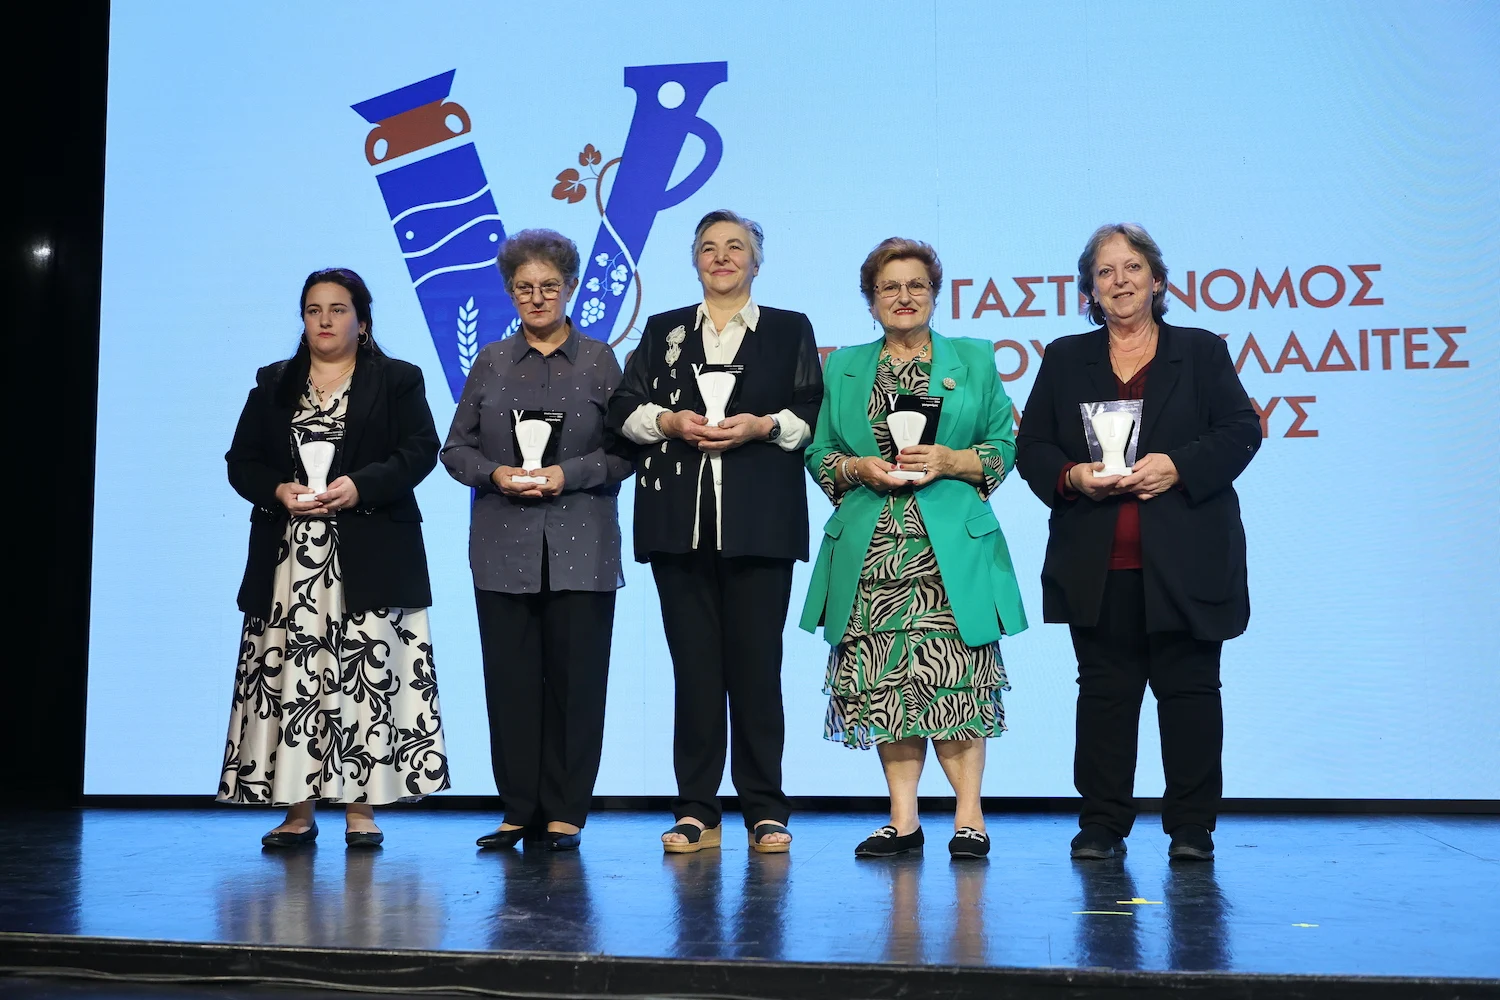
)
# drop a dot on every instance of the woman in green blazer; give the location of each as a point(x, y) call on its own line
point(913, 584)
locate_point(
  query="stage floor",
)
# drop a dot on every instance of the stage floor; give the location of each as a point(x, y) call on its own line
point(1399, 896)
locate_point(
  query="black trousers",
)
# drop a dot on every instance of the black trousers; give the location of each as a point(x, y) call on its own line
point(1117, 658)
point(546, 667)
point(723, 619)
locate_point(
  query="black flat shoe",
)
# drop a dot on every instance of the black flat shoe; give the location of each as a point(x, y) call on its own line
point(1191, 842)
point(886, 843)
point(969, 843)
point(365, 839)
point(502, 838)
point(274, 839)
point(559, 841)
point(1096, 843)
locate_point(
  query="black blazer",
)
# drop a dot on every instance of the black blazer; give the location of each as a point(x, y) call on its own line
point(389, 446)
point(1192, 540)
point(764, 485)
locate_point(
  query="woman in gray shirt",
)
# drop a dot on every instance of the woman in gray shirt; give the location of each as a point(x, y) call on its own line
point(544, 542)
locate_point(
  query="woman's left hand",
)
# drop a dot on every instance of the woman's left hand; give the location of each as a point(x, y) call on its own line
point(1152, 475)
point(341, 494)
point(734, 431)
point(554, 484)
point(935, 461)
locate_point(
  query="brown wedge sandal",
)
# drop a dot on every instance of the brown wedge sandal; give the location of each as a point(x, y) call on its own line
point(698, 839)
point(763, 830)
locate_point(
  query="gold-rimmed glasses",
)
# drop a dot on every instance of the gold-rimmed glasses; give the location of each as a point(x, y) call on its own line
point(917, 288)
point(525, 290)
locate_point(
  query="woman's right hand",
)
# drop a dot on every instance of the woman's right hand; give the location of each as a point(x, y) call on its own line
point(1082, 477)
point(876, 474)
point(685, 425)
point(501, 477)
point(287, 493)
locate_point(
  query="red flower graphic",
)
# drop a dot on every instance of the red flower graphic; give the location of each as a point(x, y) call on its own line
point(569, 187)
point(590, 157)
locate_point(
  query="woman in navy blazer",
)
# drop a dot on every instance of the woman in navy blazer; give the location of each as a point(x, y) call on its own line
point(1148, 568)
point(335, 695)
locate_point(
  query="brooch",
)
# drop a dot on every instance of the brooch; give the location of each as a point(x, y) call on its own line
point(948, 383)
point(674, 344)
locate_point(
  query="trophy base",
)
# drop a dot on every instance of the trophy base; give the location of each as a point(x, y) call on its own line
point(537, 480)
point(908, 475)
point(306, 497)
point(1112, 470)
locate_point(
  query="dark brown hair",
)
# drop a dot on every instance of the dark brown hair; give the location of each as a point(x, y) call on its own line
point(294, 375)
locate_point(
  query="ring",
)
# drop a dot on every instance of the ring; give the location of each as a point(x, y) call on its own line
point(924, 466)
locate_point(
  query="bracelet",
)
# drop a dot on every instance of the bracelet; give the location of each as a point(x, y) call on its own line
point(659, 414)
point(844, 471)
point(854, 468)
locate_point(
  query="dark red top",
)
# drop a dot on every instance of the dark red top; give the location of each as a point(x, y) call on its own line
point(1125, 552)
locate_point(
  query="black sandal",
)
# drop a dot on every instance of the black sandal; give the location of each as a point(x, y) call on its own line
point(969, 843)
point(886, 843)
point(698, 839)
point(765, 829)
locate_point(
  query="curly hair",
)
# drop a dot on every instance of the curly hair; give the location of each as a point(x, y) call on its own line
point(540, 245)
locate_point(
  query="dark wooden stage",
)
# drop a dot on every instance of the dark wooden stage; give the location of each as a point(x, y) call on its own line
point(176, 903)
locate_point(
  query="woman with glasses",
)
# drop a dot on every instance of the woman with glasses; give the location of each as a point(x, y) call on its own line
point(721, 515)
point(544, 543)
point(916, 651)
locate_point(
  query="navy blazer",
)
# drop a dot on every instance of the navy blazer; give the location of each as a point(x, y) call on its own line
point(389, 446)
point(764, 486)
point(1195, 412)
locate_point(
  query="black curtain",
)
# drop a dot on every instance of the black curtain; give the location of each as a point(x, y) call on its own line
point(59, 66)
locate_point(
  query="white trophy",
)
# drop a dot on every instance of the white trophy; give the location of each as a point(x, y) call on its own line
point(906, 427)
point(317, 459)
point(1112, 428)
point(715, 388)
point(532, 436)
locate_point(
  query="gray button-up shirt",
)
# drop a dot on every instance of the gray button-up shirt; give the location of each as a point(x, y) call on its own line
point(581, 525)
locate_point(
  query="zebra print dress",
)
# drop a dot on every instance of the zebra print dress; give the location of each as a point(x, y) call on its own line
point(901, 668)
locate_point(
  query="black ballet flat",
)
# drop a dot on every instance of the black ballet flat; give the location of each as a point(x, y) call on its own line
point(886, 843)
point(559, 841)
point(365, 840)
point(502, 838)
point(969, 843)
point(274, 839)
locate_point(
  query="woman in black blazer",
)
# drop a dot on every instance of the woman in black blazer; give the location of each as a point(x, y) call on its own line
point(1147, 568)
point(721, 514)
point(335, 696)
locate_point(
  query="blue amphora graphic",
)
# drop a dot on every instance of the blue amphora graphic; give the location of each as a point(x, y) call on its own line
point(666, 113)
point(444, 216)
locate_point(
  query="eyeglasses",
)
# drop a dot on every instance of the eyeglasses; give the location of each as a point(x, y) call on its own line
point(549, 290)
point(917, 288)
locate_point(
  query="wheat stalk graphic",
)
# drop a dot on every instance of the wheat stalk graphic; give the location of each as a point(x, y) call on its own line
point(468, 335)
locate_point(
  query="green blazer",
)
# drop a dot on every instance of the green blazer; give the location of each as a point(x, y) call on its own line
point(966, 539)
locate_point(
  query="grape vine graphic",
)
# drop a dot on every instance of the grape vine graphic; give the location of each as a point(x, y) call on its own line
point(449, 228)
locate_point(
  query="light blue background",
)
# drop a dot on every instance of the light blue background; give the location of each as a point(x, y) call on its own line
point(1243, 136)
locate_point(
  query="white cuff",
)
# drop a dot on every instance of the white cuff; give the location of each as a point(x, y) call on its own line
point(640, 426)
point(794, 431)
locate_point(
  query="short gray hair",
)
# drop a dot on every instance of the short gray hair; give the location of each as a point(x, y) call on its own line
point(1142, 243)
point(757, 237)
point(543, 245)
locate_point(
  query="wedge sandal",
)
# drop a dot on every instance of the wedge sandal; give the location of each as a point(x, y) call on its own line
point(698, 839)
point(757, 842)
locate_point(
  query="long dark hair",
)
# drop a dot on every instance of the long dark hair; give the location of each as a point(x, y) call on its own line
point(294, 376)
